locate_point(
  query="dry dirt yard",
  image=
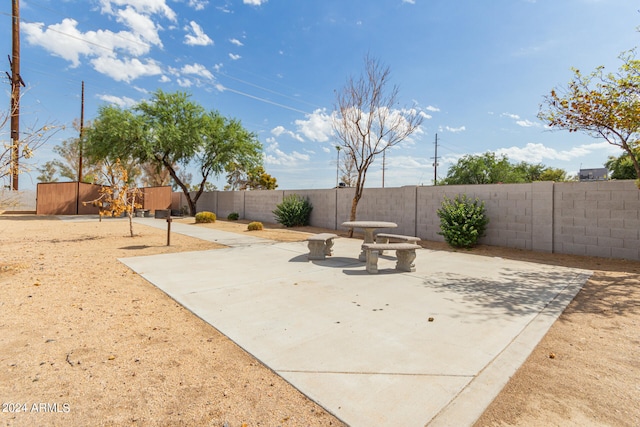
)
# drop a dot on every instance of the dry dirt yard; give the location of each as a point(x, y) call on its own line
point(84, 341)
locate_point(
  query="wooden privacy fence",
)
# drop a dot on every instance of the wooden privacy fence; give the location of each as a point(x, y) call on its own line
point(68, 198)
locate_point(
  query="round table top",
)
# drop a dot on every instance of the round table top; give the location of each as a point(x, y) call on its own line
point(369, 224)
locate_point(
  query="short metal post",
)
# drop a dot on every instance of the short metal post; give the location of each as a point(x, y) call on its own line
point(169, 230)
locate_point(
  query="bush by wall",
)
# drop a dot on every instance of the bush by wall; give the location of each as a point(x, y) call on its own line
point(293, 211)
point(255, 225)
point(205, 217)
point(462, 221)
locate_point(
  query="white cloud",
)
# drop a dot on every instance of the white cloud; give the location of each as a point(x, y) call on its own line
point(198, 70)
point(141, 25)
point(521, 122)
point(148, 7)
point(538, 153)
point(254, 2)
point(198, 4)
point(527, 123)
point(425, 115)
point(409, 1)
point(432, 108)
point(453, 130)
point(274, 156)
point(126, 70)
point(123, 102)
point(104, 48)
point(236, 42)
point(234, 56)
point(280, 130)
point(63, 40)
point(184, 82)
point(317, 126)
point(198, 37)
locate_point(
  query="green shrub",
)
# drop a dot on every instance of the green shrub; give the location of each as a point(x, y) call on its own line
point(205, 217)
point(255, 225)
point(293, 211)
point(462, 221)
point(233, 216)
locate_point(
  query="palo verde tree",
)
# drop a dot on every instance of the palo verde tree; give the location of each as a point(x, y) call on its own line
point(173, 132)
point(367, 120)
point(604, 106)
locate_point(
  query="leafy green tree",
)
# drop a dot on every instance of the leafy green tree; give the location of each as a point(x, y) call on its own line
point(553, 174)
point(68, 161)
point(488, 168)
point(171, 131)
point(622, 167)
point(254, 179)
point(48, 172)
point(604, 106)
point(527, 172)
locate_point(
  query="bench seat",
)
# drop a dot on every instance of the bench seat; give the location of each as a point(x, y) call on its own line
point(405, 254)
point(386, 238)
point(320, 245)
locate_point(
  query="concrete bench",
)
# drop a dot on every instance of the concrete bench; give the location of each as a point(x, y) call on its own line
point(395, 238)
point(405, 253)
point(320, 245)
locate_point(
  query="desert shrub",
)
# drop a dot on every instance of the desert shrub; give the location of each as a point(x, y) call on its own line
point(293, 211)
point(255, 225)
point(462, 221)
point(205, 217)
point(233, 216)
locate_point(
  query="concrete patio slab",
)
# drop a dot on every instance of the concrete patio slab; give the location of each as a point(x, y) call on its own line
point(430, 347)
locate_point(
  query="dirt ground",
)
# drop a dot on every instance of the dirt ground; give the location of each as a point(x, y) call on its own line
point(85, 341)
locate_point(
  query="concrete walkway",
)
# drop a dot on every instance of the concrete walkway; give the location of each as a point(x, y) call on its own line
point(433, 347)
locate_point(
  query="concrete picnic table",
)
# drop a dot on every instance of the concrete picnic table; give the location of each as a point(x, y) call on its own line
point(369, 227)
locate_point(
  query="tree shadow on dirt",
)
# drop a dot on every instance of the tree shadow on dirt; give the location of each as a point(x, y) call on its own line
point(608, 294)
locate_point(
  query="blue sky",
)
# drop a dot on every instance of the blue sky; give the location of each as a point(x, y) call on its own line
point(477, 70)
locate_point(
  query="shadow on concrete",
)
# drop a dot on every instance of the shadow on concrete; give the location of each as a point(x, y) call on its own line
point(512, 293)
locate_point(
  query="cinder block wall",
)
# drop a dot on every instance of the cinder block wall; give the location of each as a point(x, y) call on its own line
point(582, 218)
point(597, 218)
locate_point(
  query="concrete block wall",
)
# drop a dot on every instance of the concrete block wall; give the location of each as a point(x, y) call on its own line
point(324, 204)
point(259, 205)
point(582, 218)
point(597, 219)
point(384, 204)
point(508, 207)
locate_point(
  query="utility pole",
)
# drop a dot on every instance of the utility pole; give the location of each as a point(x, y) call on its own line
point(384, 161)
point(338, 148)
point(81, 132)
point(435, 164)
point(16, 81)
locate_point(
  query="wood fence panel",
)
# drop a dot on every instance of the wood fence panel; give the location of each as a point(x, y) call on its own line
point(56, 198)
point(156, 198)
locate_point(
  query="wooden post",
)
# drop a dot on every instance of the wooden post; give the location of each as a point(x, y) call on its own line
point(169, 230)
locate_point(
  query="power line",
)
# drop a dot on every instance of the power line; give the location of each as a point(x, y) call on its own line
point(171, 71)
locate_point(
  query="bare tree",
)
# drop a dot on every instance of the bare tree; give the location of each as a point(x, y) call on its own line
point(367, 121)
point(14, 156)
point(347, 171)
